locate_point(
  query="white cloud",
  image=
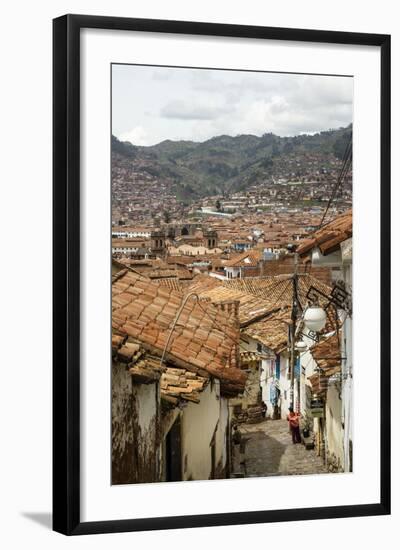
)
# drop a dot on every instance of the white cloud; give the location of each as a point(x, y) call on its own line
point(192, 110)
point(137, 136)
point(151, 104)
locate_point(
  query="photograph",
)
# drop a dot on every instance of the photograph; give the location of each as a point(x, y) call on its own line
point(231, 244)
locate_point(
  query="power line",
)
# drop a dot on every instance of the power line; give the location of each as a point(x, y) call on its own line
point(342, 175)
point(347, 160)
point(178, 314)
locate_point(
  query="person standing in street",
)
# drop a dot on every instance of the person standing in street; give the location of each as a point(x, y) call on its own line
point(263, 409)
point(294, 424)
point(240, 441)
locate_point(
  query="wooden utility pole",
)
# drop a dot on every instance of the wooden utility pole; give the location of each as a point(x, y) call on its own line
point(293, 327)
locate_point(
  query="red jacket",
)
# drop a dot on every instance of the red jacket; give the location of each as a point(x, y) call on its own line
point(293, 419)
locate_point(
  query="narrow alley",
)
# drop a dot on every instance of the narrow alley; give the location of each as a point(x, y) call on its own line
point(269, 451)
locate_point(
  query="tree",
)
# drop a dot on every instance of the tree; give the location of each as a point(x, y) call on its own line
point(166, 216)
point(341, 143)
point(268, 163)
point(218, 205)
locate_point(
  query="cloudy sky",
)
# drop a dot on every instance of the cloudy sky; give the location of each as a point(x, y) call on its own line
point(151, 104)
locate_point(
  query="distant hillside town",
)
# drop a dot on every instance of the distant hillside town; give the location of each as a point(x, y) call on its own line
point(231, 176)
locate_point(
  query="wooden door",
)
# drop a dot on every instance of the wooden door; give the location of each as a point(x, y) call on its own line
point(173, 451)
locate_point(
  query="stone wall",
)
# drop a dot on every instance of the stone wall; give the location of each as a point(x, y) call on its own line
point(135, 429)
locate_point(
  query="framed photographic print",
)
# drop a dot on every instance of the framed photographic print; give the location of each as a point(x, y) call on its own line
point(221, 356)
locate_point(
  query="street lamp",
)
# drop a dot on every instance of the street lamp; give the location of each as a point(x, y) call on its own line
point(301, 345)
point(314, 318)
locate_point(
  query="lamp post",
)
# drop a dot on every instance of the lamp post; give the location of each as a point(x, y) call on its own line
point(314, 319)
point(293, 326)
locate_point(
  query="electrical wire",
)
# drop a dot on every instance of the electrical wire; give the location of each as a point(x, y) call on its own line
point(178, 314)
point(347, 161)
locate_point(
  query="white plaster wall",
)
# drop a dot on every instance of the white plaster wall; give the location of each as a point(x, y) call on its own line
point(347, 374)
point(334, 431)
point(232, 272)
point(284, 384)
point(264, 379)
point(221, 435)
point(199, 421)
point(249, 344)
point(266, 382)
point(308, 364)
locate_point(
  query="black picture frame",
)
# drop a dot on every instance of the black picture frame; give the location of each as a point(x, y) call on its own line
point(66, 273)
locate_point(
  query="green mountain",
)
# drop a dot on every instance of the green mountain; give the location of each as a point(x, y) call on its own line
point(225, 163)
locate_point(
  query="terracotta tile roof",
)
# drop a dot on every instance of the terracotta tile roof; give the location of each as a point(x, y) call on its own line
point(130, 242)
point(268, 288)
point(166, 274)
point(249, 357)
point(120, 267)
point(176, 385)
point(250, 258)
point(272, 331)
point(319, 384)
point(116, 342)
point(251, 307)
point(327, 354)
point(144, 369)
point(156, 268)
point(179, 260)
point(173, 284)
point(285, 265)
point(204, 282)
point(182, 385)
point(278, 290)
point(329, 237)
point(147, 370)
point(214, 259)
point(204, 338)
point(143, 265)
point(258, 297)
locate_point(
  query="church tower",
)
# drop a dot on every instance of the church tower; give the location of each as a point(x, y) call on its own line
point(158, 242)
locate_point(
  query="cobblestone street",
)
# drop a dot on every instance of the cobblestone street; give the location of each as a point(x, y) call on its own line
point(270, 452)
